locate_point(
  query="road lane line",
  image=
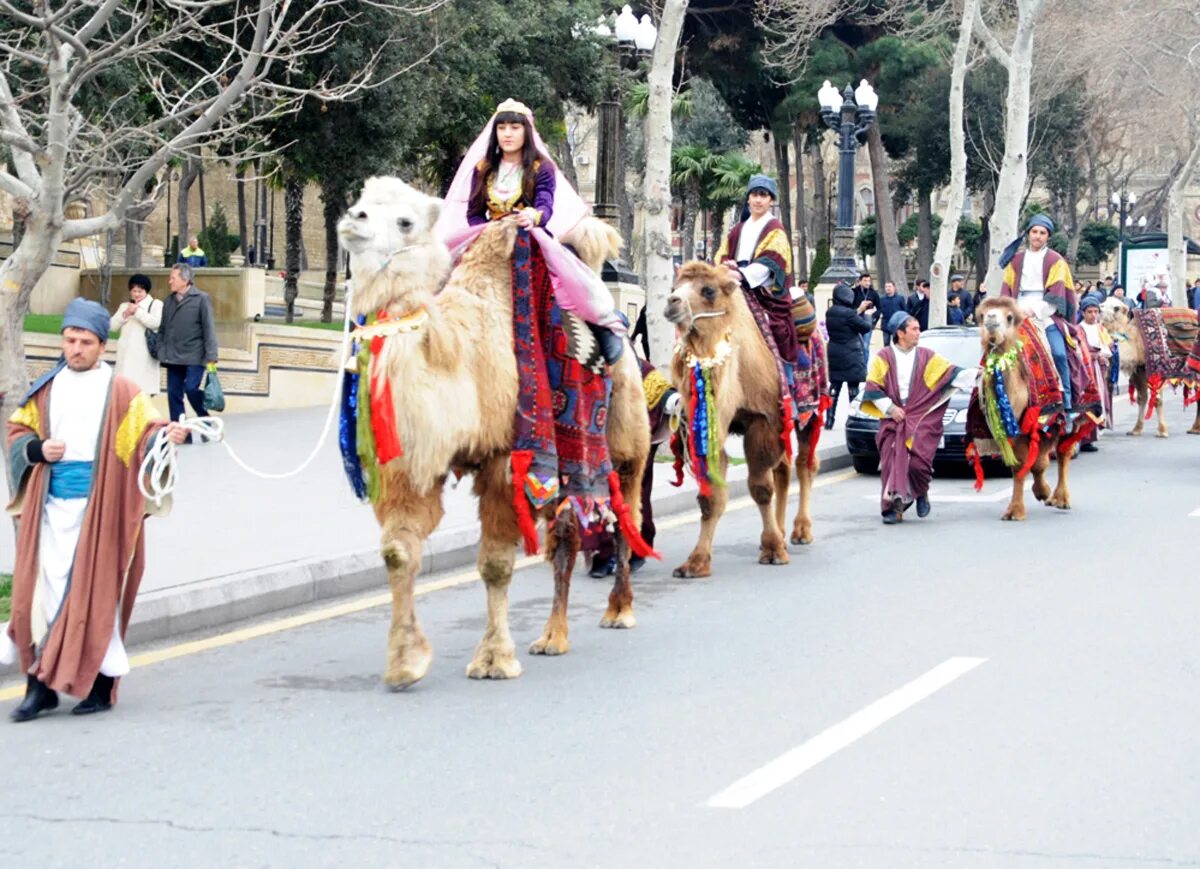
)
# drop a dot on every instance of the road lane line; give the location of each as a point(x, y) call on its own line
point(804, 757)
point(361, 604)
point(1195, 514)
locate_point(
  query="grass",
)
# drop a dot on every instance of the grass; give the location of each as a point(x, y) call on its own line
point(44, 324)
point(335, 326)
point(5, 596)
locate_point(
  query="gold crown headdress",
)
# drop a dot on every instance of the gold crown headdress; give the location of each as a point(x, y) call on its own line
point(511, 105)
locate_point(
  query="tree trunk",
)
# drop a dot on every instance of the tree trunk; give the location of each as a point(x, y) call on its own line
point(687, 228)
point(924, 231)
point(885, 216)
point(187, 177)
point(135, 233)
point(241, 206)
point(784, 166)
point(1176, 206)
point(565, 158)
point(334, 204)
point(106, 265)
point(659, 267)
point(293, 203)
point(718, 232)
point(203, 202)
point(801, 223)
point(1014, 166)
point(939, 272)
point(820, 212)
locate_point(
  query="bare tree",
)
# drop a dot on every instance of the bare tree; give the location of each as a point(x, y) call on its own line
point(658, 263)
point(65, 149)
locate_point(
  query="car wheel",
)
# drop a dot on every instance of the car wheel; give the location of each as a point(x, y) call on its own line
point(865, 464)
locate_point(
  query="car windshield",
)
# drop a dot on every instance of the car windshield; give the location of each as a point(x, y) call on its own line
point(962, 349)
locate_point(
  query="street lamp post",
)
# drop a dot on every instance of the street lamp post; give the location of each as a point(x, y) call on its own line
point(851, 114)
point(1123, 202)
point(631, 40)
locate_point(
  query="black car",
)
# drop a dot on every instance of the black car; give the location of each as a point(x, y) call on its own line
point(959, 344)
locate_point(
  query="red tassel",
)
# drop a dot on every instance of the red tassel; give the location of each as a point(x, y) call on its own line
point(677, 452)
point(973, 458)
point(383, 411)
point(789, 427)
point(637, 545)
point(1132, 395)
point(522, 461)
point(1029, 426)
point(814, 436)
point(1068, 443)
point(1155, 382)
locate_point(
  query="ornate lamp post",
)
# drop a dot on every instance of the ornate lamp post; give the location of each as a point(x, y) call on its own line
point(1124, 202)
point(851, 113)
point(631, 41)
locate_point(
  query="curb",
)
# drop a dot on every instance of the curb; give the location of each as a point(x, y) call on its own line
point(171, 612)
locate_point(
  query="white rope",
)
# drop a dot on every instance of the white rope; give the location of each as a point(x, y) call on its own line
point(159, 471)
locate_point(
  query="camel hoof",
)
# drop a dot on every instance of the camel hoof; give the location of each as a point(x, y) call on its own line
point(802, 538)
point(1136, 433)
point(1162, 434)
point(693, 570)
point(1013, 516)
point(623, 619)
point(494, 663)
point(550, 644)
point(408, 668)
point(775, 557)
point(1195, 431)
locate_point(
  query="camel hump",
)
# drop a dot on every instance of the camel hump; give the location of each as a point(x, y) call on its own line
point(594, 240)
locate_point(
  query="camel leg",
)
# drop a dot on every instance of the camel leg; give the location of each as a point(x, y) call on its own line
point(563, 546)
point(495, 656)
point(712, 507)
point(1138, 378)
point(1195, 429)
point(764, 456)
point(1016, 505)
point(802, 529)
point(1062, 493)
point(1041, 487)
point(407, 519)
point(1162, 420)
point(619, 613)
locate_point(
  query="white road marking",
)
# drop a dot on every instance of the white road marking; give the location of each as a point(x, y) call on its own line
point(804, 757)
point(1195, 514)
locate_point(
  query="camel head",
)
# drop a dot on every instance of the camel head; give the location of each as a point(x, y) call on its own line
point(701, 304)
point(998, 321)
point(390, 230)
point(594, 241)
point(1116, 316)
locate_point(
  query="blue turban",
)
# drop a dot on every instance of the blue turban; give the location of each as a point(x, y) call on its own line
point(1091, 300)
point(897, 320)
point(763, 182)
point(92, 316)
point(1041, 220)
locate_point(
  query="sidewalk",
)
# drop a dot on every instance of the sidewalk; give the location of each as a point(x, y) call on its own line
point(236, 546)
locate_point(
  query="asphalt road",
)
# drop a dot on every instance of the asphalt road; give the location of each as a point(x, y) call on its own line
point(1048, 720)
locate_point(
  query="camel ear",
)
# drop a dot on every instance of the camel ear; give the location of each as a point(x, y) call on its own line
point(435, 211)
point(728, 285)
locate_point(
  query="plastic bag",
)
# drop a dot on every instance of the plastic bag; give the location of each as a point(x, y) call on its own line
point(214, 396)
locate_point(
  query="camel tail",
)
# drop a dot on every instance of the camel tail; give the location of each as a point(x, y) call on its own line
point(595, 241)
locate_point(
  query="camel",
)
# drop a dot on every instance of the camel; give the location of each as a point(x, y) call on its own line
point(453, 373)
point(1000, 331)
point(714, 322)
point(1119, 320)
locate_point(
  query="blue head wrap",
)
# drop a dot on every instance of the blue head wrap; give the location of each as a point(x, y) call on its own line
point(1041, 220)
point(92, 316)
point(763, 182)
point(897, 320)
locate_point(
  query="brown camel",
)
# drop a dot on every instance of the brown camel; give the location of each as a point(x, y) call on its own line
point(453, 373)
point(1000, 330)
point(714, 323)
point(1118, 319)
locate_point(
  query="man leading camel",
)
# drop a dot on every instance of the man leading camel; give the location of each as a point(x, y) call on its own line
point(907, 386)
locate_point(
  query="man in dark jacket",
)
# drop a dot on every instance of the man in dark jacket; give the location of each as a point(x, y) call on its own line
point(966, 300)
point(846, 324)
point(864, 291)
point(889, 304)
point(187, 341)
point(918, 304)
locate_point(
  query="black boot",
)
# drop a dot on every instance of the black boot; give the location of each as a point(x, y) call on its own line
point(99, 699)
point(38, 699)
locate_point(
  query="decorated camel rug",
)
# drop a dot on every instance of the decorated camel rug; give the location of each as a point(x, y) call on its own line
point(1169, 336)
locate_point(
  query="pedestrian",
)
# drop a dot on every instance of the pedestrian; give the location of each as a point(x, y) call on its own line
point(1118, 292)
point(954, 311)
point(966, 301)
point(918, 304)
point(889, 303)
point(906, 389)
point(76, 446)
point(142, 313)
point(1194, 295)
point(802, 287)
point(1100, 354)
point(865, 292)
point(193, 255)
point(846, 323)
point(187, 341)
point(759, 255)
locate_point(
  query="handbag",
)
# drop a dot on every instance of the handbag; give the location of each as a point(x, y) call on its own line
point(152, 338)
point(214, 396)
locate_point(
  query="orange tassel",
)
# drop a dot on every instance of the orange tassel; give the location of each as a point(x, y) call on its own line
point(522, 461)
point(977, 464)
point(1029, 426)
point(383, 411)
point(637, 545)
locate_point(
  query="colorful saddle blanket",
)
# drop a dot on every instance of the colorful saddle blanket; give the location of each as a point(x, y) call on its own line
point(1170, 338)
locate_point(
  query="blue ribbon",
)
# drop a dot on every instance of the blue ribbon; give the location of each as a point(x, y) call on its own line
point(70, 479)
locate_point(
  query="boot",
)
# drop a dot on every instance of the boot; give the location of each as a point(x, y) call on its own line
point(832, 412)
point(38, 699)
point(99, 699)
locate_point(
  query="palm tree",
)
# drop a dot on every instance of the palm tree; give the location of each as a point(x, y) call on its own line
point(731, 173)
point(691, 172)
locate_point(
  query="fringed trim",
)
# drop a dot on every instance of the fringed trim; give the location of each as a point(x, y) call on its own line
point(788, 416)
point(976, 464)
point(1030, 427)
point(633, 536)
point(1085, 427)
point(383, 410)
point(815, 429)
point(1155, 383)
point(1132, 394)
point(677, 465)
point(522, 461)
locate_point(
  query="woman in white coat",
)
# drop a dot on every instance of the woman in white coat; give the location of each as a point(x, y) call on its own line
point(133, 318)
